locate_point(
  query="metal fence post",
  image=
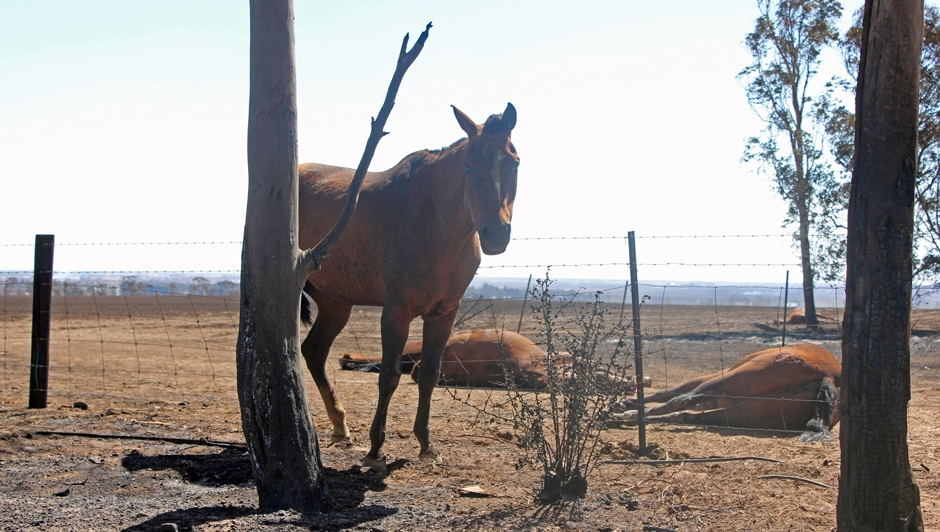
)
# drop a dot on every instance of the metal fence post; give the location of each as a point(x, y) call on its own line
point(786, 294)
point(525, 298)
point(637, 343)
point(42, 303)
point(623, 304)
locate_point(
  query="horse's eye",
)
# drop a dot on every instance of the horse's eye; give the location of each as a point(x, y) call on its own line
point(468, 168)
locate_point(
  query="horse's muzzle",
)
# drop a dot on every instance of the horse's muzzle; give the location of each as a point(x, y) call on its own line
point(495, 238)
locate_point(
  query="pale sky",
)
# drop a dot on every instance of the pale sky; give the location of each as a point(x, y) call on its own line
point(126, 122)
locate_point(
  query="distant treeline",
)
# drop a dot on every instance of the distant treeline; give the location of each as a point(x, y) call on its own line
point(128, 285)
point(488, 291)
point(203, 286)
point(580, 290)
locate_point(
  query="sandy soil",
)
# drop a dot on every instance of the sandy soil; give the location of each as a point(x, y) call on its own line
point(164, 368)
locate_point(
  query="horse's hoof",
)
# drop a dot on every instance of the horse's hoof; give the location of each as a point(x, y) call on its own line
point(431, 455)
point(375, 464)
point(334, 438)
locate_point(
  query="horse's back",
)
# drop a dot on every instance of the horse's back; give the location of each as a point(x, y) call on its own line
point(322, 195)
point(353, 272)
point(774, 369)
point(487, 353)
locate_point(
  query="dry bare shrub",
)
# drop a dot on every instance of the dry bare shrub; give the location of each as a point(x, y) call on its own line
point(558, 426)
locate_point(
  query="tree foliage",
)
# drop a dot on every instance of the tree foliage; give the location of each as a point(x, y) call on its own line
point(786, 44)
point(841, 125)
point(927, 215)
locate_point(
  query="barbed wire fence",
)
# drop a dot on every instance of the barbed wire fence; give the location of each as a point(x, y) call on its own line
point(134, 339)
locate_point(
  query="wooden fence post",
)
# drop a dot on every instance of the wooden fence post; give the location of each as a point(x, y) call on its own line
point(42, 303)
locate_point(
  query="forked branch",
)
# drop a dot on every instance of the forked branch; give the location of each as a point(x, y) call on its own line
point(311, 259)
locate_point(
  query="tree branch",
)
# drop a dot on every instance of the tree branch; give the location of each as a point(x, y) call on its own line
point(181, 441)
point(690, 460)
point(800, 479)
point(311, 259)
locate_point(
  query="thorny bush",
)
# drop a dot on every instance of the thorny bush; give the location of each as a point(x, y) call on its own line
point(559, 424)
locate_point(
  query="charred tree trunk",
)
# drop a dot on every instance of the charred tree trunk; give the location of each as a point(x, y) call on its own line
point(275, 414)
point(282, 442)
point(877, 489)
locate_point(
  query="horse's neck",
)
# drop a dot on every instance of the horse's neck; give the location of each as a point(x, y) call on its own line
point(442, 179)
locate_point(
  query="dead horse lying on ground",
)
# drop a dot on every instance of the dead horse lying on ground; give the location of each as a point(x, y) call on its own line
point(412, 247)
point(782, 388)
point(486, 357)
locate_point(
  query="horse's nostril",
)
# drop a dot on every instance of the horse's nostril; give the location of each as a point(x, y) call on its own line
point(485, 233)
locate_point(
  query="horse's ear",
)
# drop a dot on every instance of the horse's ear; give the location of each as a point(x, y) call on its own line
point(509, 117)
point(469, 127)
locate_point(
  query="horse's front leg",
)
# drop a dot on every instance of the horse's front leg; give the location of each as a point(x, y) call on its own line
point(437, 329)
point(395, 323)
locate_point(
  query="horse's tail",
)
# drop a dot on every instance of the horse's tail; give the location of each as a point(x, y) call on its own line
point(826, 414)
point(305, 303)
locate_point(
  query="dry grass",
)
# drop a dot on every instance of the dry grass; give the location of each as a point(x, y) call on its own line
point(134, 382)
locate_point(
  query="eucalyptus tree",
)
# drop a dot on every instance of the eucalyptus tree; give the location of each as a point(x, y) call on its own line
point(785, 46)
point(927, 213)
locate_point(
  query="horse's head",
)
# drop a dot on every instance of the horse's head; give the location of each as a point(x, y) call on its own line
point(490, 183)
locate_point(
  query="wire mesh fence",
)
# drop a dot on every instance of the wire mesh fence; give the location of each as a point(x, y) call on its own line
point(133, 339)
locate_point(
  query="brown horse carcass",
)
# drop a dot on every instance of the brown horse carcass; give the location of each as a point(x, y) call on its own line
point(793, 388)
point(412, 247)
point(486, 358)
point(474, 358)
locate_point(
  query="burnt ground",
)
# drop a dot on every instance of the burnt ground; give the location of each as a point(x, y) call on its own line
point(116, 358)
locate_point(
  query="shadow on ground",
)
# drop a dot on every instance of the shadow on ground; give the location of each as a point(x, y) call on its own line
point(232, 468)
point(190, 518)
point(227, 468)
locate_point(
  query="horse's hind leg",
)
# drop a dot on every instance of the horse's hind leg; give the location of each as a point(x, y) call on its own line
point(331, 318)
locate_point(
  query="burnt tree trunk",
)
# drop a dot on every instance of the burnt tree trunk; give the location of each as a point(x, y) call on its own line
point(877, 489)
point(282, 442)
point(276, 420)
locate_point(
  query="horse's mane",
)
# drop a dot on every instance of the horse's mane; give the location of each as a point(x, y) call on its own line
point(493, 124)
point(445, 148)
point(414, 160)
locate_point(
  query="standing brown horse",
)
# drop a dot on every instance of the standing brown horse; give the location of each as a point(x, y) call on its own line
point(412, 247)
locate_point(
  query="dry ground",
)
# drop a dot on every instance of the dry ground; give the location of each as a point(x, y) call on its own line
point(164, 368)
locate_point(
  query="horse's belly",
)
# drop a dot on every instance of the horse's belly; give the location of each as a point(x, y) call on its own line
point(352, 272)
point(350, 280)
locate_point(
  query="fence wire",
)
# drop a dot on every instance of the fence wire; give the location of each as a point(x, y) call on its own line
point(133, 344)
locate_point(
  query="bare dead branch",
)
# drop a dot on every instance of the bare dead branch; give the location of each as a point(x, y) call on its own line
point(311, 259)
point(690, 460)
point(183, 441)
point(484, 436)
point(801, 479)
point(676, 508)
